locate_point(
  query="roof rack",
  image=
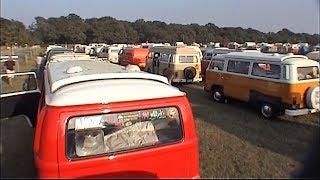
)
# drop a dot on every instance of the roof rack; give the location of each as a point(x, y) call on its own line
point(263, 56)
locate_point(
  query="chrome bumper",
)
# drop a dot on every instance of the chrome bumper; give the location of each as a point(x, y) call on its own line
point(298, 112)
point(189, 80)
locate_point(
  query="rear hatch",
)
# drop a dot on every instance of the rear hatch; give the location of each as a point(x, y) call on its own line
point(129, 139)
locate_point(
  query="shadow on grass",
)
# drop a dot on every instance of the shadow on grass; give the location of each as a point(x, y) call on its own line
point(289, 136)
point(16, 148)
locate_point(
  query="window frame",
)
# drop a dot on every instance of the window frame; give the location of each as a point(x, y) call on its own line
point(161, 59)
point(244, 74)
point(181, 140)
point(195, 57)
point(213, 61)
point(297, 74)
point(263, 76)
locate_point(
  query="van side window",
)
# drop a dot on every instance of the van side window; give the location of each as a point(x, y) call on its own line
point(171, 58)
point(164, 57)
point(266, 70)
point(217, 64)
point(238, 67)
point(284, 72)
point(309, 72)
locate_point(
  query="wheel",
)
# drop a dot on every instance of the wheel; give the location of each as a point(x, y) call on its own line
point(267, 110)
point(189, 72)
point(217, 95)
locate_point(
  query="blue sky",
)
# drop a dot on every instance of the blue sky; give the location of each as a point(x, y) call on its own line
point(264, 15)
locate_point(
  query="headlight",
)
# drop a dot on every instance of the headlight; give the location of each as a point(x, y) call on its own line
point(110, 133)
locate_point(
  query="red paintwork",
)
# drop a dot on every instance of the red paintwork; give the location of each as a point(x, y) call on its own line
point(175, 160)
point(135, 56)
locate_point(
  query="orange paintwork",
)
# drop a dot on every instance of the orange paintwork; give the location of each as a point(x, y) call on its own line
point(135, 56)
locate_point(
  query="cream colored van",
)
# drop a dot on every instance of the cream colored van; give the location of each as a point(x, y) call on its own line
point(111, 53)
point(275, 83)
point(178, 64)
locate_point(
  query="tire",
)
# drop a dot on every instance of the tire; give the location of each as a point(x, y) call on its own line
point(217, 95)
point(267, 110)
point(312, 98)
point(189, 72)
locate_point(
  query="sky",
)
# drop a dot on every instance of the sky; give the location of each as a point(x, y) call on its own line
point(263, 15)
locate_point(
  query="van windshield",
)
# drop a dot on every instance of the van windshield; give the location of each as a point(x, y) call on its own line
point(209, 56)
point(188, 59)
point(305, 73)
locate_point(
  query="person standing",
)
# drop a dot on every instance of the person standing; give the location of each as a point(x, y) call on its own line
point(10, 67)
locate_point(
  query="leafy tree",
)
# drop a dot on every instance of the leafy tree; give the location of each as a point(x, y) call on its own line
point(73, 29)
point(13, 32)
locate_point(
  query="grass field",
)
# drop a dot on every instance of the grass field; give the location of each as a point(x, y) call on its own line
point(27, 58)
point(236, 142)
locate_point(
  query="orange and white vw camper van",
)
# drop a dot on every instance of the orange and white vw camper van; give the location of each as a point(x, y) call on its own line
point(273, 82)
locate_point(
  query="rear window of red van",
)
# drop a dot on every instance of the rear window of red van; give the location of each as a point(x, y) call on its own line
point(120, 132)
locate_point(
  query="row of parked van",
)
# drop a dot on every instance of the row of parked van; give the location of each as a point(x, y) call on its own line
point(177, 63)
point(275, 83)
point(88, 125)
point(292, 81)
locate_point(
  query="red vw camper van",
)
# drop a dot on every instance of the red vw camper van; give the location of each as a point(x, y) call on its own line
point(98, 119)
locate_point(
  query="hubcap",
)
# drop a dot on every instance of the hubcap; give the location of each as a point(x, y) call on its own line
point(217, 95)
point(266, 111)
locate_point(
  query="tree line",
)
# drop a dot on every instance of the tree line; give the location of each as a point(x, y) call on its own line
point(73, 29)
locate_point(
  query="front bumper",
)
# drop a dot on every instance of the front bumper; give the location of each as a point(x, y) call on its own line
point(114, 60)
point(189, 80)
point(298, 112)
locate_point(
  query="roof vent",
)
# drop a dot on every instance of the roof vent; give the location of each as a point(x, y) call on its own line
point(74, 69)
point(132, 68)
point(290, 54)
point(275, 54)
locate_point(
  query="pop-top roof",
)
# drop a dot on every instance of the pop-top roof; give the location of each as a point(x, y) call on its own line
point(71, 56)
point(175, 49)
point(64, 73)
point(263, 56)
